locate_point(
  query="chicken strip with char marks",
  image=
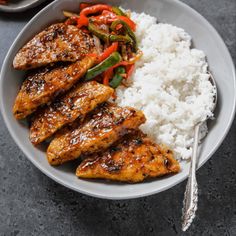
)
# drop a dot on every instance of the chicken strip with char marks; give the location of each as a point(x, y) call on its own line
point(75, 104)
point(101, 128)
point(57, 43)
point(133, 159)
point(40, 88)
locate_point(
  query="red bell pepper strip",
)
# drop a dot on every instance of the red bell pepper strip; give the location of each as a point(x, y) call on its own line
point(122, 63)
point(72, 20)
point(109, 73)
point(106, 17)
point(107, 76)
point(108, 51)
point(128, 21)
point(83, 20)
point(129, 70)
point(92, 55)
point(95, 9)
point(128, 65)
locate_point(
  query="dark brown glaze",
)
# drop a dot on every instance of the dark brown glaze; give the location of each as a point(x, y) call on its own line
point(133, 159)
point(101, 128)
point(42, 87)
point(57, 43)
point(75, 104)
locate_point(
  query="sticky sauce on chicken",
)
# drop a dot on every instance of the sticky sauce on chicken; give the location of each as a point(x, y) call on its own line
point(45, 85)
point(133, 159)
point(74, 105)
point(104, 126)
point(57, 43)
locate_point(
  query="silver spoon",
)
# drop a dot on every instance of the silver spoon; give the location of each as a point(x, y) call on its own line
point(191, 192)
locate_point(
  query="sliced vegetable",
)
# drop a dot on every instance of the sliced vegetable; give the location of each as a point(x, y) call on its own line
point(99, 33)
point(107, 17)
point(94, 9)
point(136, 57)
point(108, 51)
point(128, 21)
point(126, 27)
point(92, 55)
point(120, 38)
point(122, 63)
point(128, 65)
point(69, 14)
point(72, 17)
point(71, 21)
point(108, 37)
point(124, 52)
point(111, 61)
point(82, 21)
point(127, 30)
point(107, 76)
point(117, 79)
point(115, 29)
point(129, 70)
point(118, 11)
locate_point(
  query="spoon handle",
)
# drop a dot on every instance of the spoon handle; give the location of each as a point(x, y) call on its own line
point(191, 192)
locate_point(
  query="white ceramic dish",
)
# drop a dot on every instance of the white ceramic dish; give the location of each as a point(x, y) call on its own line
point(205, 38)
point(19, 5)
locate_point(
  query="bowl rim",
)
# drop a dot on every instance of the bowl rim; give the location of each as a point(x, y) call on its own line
point(147, 192)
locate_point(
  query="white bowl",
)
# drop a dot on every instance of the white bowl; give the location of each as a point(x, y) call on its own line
point(204, 37)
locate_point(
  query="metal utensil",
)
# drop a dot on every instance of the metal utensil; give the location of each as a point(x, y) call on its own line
point(191, 192)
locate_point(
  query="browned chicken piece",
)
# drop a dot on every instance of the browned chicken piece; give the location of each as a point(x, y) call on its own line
point(75, 104)
point(42, 87)
point(57, 43)
point(101, 128)
point(133, 159)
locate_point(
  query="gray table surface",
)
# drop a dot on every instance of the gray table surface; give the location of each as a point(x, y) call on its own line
point(33, 204)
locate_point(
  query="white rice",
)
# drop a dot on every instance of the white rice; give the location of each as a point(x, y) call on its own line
point(170, 85)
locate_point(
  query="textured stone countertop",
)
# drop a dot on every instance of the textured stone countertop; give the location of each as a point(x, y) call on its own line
point(33, 204)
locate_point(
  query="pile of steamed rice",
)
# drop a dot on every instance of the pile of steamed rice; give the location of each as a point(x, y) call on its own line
point(170, 85)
